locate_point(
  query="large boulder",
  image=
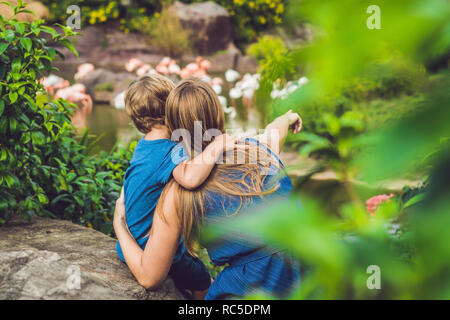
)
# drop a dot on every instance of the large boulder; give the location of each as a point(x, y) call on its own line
point(40, 11)
point(104, 85)
point(209, 22)
point(232, 58)
point(55, 259)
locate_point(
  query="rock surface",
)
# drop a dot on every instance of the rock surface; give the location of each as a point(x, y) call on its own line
point(209, 22)
point(55, 259)
point(40, 11)
point(106, 46)
point(117, 82)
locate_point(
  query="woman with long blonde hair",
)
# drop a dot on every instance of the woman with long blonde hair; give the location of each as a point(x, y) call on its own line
point(249, 178)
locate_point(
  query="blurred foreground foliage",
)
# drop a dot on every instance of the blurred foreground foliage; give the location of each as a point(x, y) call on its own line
point(45, 168)
point(353, 70)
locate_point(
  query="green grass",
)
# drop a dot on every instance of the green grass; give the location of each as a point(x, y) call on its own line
point(104, 87)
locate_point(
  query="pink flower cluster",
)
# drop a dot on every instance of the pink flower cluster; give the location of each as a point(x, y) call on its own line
point(373, 203)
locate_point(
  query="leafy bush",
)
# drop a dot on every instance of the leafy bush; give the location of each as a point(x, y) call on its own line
point(249, 18)
point(276, 65)
point(365, 71)
point(92, 12)
point(275, 60)
point(44, 170)
point(385, 91)
point(165, 32)
point(340, 144)
point(108, 11)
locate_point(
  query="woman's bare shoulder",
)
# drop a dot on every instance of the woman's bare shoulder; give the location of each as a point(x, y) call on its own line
point(167, 210)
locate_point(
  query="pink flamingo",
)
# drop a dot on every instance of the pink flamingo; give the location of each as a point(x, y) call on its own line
point(83, 70)
point(53, 83)
point(173, 67)
point(133, 64)
point(168, 66)
point(75, 94)
point(143, 70)
point(196, 69)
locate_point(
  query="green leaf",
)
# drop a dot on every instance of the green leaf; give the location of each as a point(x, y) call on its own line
point(35, 30)
point(414, 200)
point(24, 118)
point(20, 27)
point(16, 65)
point(13, 97)
point(71, 176)
point(51, 31)
point(332, 123)
point(11, 180)
point(3, 47)
point(9, 35)
point(2, 106)
point(313, 147)
point(25, 11)
point(51, 52)
point(12, 124)
point(25, 137)
point(79, 201)
point(4, 155)
point(67, 30)
point(3, 124)
point(59, 198)
point(26, 43)
point(38, 138)
point(9, 4)
point(42, 198)
point(352, 120)
point(69, 45)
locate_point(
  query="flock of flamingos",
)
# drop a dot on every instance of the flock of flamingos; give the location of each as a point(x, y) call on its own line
point(58, 87)
point(230, 88)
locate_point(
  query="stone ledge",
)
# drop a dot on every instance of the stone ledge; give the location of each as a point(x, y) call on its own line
point(39, 259)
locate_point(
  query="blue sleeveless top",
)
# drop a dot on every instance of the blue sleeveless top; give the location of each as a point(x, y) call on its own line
point(253, 265)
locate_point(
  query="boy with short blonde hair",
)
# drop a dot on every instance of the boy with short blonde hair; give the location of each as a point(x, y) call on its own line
point(145, 101)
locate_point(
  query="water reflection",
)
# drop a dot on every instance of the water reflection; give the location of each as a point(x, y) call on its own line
point(114, 126)
point(81, 116)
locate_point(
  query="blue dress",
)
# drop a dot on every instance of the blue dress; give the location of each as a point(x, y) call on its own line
point(252, 265)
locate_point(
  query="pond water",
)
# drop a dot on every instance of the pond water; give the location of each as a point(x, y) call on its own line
point(113, 125)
